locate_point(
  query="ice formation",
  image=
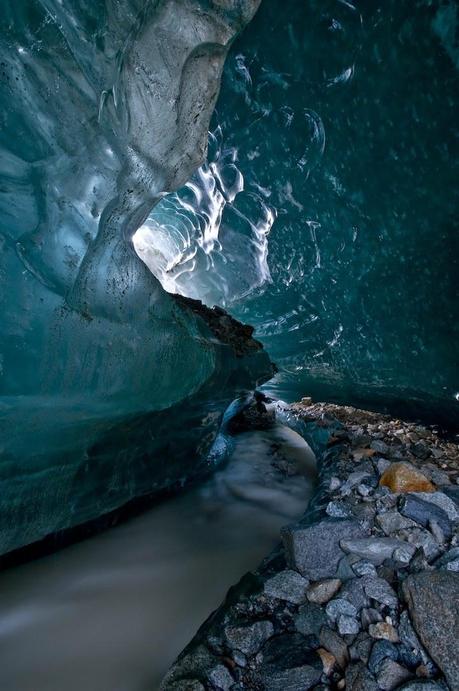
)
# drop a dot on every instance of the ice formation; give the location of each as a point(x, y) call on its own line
point(110, 388)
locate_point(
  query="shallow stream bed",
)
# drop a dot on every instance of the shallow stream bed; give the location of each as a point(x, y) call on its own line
point(112, 613)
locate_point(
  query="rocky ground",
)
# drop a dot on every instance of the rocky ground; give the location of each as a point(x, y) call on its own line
point(363, 592)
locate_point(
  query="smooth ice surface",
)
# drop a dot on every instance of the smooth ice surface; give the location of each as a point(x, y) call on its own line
point(105, 108)
point(337, 121)
point(113, 612)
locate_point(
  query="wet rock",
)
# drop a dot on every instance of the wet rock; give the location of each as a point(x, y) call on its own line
point(359, 678)
point(288, 664)
point(322, 591)
point(249, 639)
point(347, 625)
point(378, 589)
point(310, 619)
point(391, 521)
point(433, 602)
point(297, 679)
point(423, 512)
point(404, 477)
point(380, 651)
point(338, 509)
point(449, 561)
point(221, 678)
point(287, 585)
point(332, 642)
point(340, 607)
point(315, 550)
point(361, 647)
point(374, 549)
point(380, 447)
point(383, 630)
point(391, 674)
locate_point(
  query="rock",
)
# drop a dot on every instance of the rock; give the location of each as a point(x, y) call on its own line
point(338, 509)
point(249, 639)
point(359, 678)
point(328, 660)
point(443, 501)
point(383, 630)
point(310, 620)
point(186, 685)
point(380, 651)
point(449, 561)
point(297, 679)
point(364, 568)
point(322, 591)
point(334, 484)
point(404, 477)
point(391, 521)
point(287, 585)
point(353, 479)
point(391, 675)
point(335, 645)
point(315, 550)
point(369, 616)
point(423, 512)
point(421, 538)
point(378, 589)
point(374, 549)
point(433, 602)
point(340, 607)
point(403, 554)
point(380, 447)
point(347, 625)
point(453, 494)
point(221, 678)
point(361, 647)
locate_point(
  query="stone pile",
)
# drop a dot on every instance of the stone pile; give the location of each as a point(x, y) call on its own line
point(363, 592)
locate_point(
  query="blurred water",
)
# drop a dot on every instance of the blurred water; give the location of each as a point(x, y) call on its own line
point(112, 613)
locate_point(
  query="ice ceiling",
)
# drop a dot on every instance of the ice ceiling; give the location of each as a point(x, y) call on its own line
point(324, 212)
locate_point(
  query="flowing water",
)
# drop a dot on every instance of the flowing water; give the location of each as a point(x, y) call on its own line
point(112, 613)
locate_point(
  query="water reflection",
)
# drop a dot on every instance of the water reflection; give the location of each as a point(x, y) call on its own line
point(111, 613)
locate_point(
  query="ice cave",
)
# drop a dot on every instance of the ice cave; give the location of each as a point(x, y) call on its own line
point(229, 361)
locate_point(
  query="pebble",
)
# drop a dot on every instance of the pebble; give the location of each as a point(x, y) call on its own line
point(310, 619)
point(339, 607)
point(328, 660)
point(287, 585)
point(347, 625)
point(249, 639)
point(380, 591)
point(391, 674)
point(332, 642)
point(383, 630)
point(221, 677)
point(422, 512)
point(322, 591)
point(391, 521)
point(364, 568)
point(374, 549)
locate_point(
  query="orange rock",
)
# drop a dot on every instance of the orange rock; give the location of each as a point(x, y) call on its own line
point(328, 660)
point(404, 477)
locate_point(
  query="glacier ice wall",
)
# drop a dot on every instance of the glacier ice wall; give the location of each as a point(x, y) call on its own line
point(341, 120)
point(105, 109)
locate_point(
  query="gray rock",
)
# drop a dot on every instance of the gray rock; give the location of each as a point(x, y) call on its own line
point(359, 678)
point(185, 685)
point(221, 678)
point(369, 616)
point(423, 512)
point(249, 639)
point(287, 585)
point(364, 490)
point(380, 651)
point(364, 568)
point(353, 479)
point(380, 446)
point(419, 538)
point(322, 591)
point(297, 679)
point(448, 560)
point(310, 620)
point(354, 592)
point(433, 602)
point(334, 484)
point(391, 521)
point(442, 501)
point(338, 509)
point(361, 647)
point(453, 494)
point(330, 640)
point(374, 549)
point(380, 591)
point(382, 465)
point(340, 607)
point(403, 554)
point(315, 550)
point(347, 625)
point(391, 675)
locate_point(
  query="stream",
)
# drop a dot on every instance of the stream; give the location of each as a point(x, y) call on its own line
point(111, 613)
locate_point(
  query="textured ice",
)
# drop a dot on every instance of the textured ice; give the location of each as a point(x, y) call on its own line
point(109, 388)
point(341, 119)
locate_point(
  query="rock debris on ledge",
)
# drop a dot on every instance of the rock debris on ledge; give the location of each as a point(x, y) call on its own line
point(363, 592)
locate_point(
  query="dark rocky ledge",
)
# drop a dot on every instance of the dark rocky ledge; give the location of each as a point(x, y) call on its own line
point(227, 329)
point(363, 592)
